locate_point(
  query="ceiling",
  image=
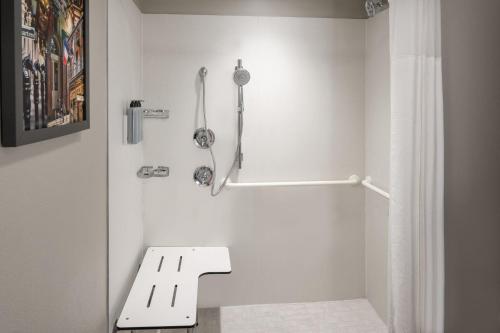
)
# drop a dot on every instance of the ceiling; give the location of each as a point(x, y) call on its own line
point(294, 8)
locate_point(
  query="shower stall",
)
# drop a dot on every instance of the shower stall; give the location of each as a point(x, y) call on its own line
point(288, 166)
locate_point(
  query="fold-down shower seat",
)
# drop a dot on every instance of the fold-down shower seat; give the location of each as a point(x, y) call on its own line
point(165, 292)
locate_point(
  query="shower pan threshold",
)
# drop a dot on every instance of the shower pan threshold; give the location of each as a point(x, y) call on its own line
point(347, 316)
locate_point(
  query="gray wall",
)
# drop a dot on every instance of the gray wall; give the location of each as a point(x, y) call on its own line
point(309, 8)
point(471, 49)
point(53, 220)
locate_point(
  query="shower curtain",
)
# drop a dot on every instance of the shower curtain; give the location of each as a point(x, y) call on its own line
point(416, 208)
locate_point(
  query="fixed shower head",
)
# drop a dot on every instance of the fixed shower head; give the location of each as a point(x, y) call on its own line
point(241, 75)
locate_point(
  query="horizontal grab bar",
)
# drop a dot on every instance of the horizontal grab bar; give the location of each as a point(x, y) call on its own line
point(353, 180)
point(368, 184)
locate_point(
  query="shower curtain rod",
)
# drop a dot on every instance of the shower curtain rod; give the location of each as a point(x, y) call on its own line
point(353, 180)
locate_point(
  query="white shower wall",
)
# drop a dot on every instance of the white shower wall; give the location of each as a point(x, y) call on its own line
point(125, 189)
point(304, 120)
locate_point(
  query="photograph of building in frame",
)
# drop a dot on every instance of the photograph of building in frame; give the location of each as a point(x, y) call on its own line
point(53, 63)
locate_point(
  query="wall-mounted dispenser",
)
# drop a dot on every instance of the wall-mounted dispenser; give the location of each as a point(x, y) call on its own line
point(134, 122)
point(135, 115)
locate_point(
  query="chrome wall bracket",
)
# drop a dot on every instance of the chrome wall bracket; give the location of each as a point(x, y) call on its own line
point(156, 114)
point(147, 172)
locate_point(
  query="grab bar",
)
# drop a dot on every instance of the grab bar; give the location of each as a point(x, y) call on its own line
point(353, 180)
point(368, 184)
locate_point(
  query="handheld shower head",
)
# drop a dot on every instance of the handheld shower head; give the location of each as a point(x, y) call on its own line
point(241, 75)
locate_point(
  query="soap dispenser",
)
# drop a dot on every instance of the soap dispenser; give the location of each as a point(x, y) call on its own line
point(134, 122)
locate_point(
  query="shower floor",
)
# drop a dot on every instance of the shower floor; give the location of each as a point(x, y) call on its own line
point(352, 316)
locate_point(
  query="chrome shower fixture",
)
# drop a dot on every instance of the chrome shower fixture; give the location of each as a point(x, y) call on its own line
point(203, 72)
point(204, 139)
point(373, 7)
point(203, 176)
point(241, 75)
point(241, 78)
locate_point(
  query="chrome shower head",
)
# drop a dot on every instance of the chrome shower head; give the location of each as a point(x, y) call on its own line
point(241, 75)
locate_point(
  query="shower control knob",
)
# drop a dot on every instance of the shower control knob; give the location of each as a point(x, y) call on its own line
point(204, 139)
point(203, 176)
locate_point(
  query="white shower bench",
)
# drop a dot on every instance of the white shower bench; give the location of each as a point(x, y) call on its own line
point(165, 292)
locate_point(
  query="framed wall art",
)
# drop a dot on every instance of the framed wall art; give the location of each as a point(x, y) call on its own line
point(44, 69)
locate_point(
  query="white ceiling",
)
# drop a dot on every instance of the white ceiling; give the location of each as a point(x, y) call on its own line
point(299, 8)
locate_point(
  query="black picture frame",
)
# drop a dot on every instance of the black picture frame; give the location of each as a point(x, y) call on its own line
point(13, 133)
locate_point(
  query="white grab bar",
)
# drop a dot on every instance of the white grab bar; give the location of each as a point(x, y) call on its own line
point(368, 184)
point(353, 180)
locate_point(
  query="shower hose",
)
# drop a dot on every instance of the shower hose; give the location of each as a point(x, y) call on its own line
point(215, 191)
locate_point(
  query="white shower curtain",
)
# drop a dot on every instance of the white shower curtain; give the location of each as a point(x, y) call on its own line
point(416, 208)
